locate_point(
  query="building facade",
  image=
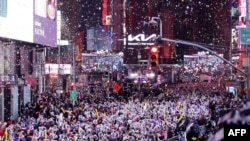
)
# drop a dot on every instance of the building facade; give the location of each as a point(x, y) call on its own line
point(22, 39)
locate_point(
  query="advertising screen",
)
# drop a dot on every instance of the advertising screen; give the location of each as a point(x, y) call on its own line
point(31, 21)
point(139, 33)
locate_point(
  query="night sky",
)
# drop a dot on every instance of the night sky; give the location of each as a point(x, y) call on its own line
point(206, 22)
point(81, 14)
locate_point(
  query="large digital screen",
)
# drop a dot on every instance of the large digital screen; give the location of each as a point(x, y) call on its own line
point(99, 38)
point(31, 21)
point(139, 33)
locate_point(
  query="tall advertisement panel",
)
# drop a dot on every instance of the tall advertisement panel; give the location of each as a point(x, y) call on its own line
point(45, 22)
point(17, 22)
point(32, 21)
point(139, 34)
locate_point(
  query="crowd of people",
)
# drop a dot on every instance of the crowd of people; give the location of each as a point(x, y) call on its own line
point(185, 111)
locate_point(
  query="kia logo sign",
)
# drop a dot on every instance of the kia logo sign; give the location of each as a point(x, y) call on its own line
point(139, 39)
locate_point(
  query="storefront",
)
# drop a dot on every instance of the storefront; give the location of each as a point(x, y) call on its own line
point(55, 77)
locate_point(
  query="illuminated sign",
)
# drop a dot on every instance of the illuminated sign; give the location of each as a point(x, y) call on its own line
point(102, 51)
point(31, 21)
point(8, 78)
point(139, 39)
point(53, 69)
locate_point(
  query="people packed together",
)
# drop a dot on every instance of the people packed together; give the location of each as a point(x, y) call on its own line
point(187, 111)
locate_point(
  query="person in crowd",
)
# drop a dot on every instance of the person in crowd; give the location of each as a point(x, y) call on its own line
point(185, 111)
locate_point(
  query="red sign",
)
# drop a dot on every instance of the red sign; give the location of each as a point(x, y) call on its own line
point(104, 11)
point(116, 87)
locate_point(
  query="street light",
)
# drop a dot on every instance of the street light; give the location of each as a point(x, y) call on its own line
point(73, 61)
point(154, 22)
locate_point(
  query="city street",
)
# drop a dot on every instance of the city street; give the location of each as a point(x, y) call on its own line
point(124, 70)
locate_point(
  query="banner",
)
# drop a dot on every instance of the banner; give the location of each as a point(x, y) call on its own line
point(73, 95)
point(91, 39)
point(79, 45)
point(8, 78)
point(106, 19)
point(14, 101)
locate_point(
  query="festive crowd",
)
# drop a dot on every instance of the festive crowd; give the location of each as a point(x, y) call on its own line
point(88, 118)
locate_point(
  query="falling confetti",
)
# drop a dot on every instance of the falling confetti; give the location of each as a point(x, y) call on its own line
point(201, 21)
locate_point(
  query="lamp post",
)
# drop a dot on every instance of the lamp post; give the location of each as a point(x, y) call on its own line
point(73, 63)
point(154, 21)
point(139, 73)
point(124, 23)
point(59, 63)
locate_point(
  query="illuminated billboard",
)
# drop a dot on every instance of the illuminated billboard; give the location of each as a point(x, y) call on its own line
point(31, 21)
point(139, 33)
point(106, 17)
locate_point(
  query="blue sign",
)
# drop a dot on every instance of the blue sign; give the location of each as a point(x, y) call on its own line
point(245, 36)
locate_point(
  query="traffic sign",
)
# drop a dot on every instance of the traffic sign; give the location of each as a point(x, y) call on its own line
point(116, 87)
point(73, 95)
point(245, 36)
